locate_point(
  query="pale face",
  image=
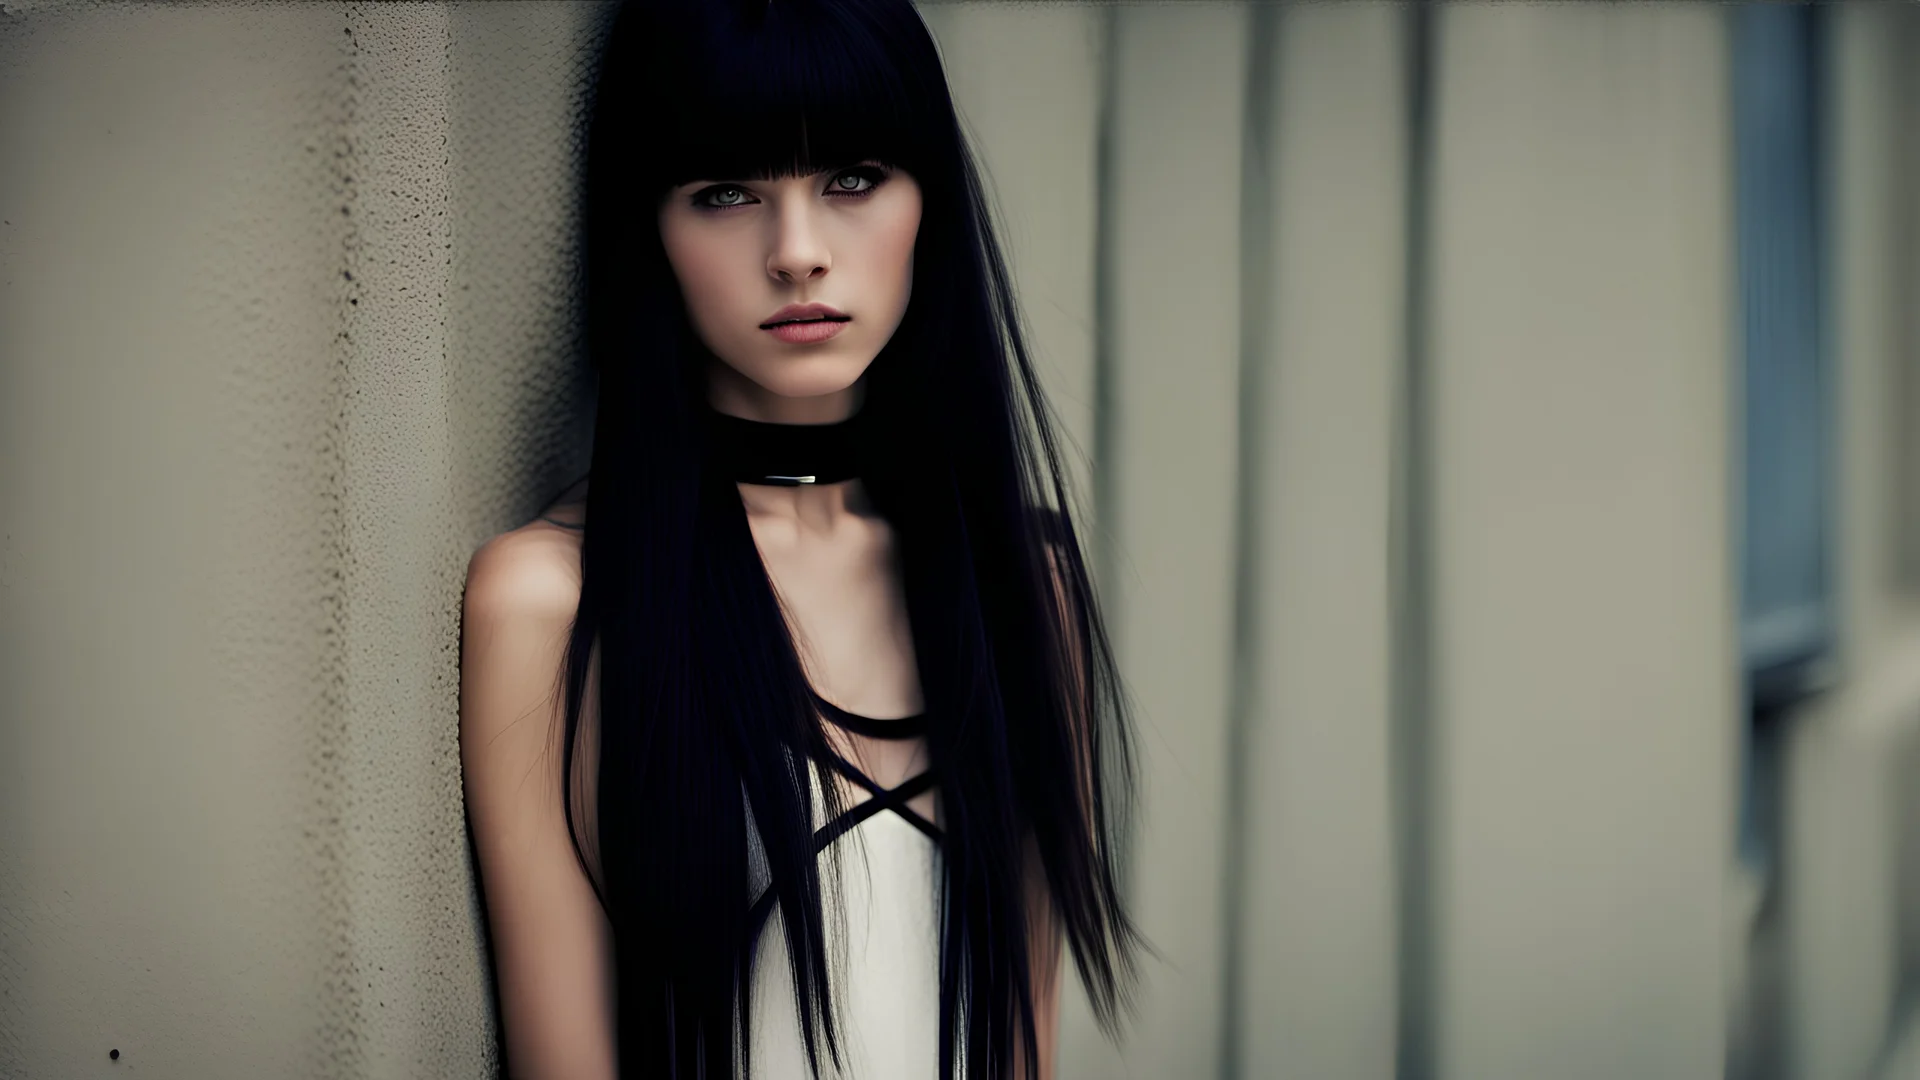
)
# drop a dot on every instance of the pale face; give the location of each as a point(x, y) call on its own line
point(745, 250)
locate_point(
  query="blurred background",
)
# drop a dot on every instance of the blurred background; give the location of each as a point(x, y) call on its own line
point(1495, 425)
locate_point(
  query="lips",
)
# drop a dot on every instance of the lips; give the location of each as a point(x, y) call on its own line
point(805, 313)
point(806, 331)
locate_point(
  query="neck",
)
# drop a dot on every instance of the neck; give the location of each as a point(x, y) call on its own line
point(733, 394)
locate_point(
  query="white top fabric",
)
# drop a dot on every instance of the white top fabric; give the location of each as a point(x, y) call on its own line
point(887, 998)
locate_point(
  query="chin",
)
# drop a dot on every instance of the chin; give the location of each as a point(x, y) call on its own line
point(807, 377)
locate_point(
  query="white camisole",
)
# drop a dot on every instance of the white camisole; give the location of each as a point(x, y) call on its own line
point(887, 997)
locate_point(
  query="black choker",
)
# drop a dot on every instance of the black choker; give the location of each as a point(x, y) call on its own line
point(785, 455)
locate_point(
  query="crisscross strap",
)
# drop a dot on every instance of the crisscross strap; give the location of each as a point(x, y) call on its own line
point(882, 800)
point(894, 799)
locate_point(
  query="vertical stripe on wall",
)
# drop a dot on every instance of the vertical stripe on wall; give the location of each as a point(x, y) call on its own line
point(409, 940)
point(1583, 677)
point(1256, 285)
point(1325, 317)
point(1173, 268)
point(1411, 732)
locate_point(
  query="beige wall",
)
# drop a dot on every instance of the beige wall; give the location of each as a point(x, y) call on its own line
point(1318, 974)
point(170, 870)
point(1429, 552)
point(1583, 695)
point(286, 331)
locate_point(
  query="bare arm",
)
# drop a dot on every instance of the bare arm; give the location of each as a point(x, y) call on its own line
point(551, 941)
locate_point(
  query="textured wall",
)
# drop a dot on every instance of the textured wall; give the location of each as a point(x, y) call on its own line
point(288, 325)
point(172, 627)
point(288, 328)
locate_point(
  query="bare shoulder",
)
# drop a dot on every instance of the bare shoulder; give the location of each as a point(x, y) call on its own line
point(522, 594)
point(532, 572)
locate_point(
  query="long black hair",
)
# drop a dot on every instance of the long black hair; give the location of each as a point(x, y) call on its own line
point(704, 727)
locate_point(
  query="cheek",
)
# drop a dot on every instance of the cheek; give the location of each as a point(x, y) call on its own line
point(899, 247)
point(699, 265)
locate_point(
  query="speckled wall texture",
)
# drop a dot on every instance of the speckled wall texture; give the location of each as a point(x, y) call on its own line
point(294, 288)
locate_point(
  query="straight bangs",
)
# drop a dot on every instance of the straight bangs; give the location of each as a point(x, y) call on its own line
point(790, 90)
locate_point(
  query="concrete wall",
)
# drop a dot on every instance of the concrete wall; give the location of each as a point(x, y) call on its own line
point(286, 324)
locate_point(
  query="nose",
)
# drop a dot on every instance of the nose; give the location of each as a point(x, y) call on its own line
point(799, 251)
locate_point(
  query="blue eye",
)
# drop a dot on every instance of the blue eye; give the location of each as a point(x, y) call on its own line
point(721, 196)
point(859, 180)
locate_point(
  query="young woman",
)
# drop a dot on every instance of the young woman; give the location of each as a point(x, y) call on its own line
point(792, 740)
